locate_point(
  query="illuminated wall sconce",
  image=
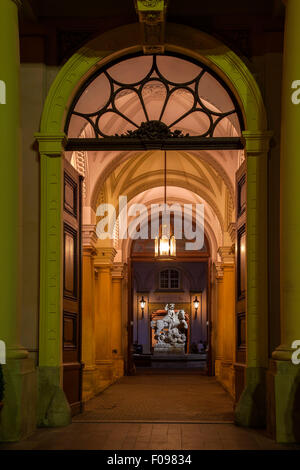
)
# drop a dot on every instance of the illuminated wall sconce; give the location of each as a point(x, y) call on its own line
point(196, 303)
point(143, 305)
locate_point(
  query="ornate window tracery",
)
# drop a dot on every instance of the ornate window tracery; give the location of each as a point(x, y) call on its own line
point(155, 97)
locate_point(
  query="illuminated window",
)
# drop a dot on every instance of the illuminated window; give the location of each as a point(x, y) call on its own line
point(169, 279)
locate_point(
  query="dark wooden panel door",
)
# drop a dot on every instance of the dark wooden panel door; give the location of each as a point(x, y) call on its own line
point(241, 279)
point(72, 375)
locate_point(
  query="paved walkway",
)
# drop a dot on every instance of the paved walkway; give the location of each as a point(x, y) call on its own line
point(161, 395)
point(160, 410)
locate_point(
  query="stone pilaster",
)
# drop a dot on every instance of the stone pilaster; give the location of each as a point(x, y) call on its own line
point(89, 239)
point(227, 323)
point(251, 408)
point(219, 320)
point(117, 319)
point(103, 265)
point(18, 417)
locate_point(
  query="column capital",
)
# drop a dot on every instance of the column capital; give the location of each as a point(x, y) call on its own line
point(104, 257)
point(257, 142)
point(219, 271)
point(51, 144)
point(89, 236)
point(227, 255)
point(117, 271)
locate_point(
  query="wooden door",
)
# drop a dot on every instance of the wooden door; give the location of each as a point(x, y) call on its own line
point(72, 366)
point(241, 279)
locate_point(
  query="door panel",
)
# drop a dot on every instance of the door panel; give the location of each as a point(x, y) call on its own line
point(72, 375)
point(241, 280)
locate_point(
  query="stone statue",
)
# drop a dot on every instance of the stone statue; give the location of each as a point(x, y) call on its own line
point(170, 331)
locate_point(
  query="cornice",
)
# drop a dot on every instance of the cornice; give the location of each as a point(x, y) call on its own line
point(257, 142)
point(51, 144)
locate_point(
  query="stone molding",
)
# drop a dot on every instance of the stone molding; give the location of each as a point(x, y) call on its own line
point(89, 236)
point(104, 256)
point(219, 271)
point(227, 255)
point(51, 144)
point(257, 142)
point(232, 231)
point(117, 271)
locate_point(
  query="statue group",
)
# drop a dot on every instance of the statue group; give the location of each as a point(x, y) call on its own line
point(170, 332)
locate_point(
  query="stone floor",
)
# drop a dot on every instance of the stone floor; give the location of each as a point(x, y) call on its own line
point(159, 410)
point(145, 436)
point(162, 395)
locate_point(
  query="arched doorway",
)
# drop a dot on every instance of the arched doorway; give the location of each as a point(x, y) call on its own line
point(243, 91)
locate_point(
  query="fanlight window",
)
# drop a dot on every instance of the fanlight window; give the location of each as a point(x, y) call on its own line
point(169, 279)
point(154, 96)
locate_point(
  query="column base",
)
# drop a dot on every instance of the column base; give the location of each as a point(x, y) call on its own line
point(99, 377)
point(89, 382)
point(18, 416)
point(118, 367)
point(53, 407)
point(250, 410)
point(226, 376)
point(283, 394)
point(217, 368)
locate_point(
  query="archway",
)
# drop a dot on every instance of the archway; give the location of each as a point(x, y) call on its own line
point(52, 140)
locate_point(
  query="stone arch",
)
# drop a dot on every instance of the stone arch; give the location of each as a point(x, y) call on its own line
point(182, 39)
point(113, 45)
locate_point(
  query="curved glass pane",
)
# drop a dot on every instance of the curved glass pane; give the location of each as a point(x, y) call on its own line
point(216, 97)
point(112, 123)
point(196, 123)
point(154, 94)
point(177, 70)
point(180, 102)
point(95, 96)
point(131, 70)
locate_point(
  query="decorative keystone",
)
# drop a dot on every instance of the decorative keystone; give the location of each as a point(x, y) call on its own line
point(152, 17)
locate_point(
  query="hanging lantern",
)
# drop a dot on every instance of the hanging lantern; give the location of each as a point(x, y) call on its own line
point(165, 245)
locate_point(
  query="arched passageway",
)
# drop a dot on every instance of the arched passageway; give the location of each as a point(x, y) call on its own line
point(191, 108)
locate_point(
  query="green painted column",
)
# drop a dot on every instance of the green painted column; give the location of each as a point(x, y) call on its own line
point(290, 197)
point(10, 165)
point(18, 417)
point(284, 376)
point(53, 408)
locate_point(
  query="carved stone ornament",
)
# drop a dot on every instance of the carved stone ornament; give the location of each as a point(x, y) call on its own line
point(153, 130)
point(150, 3)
